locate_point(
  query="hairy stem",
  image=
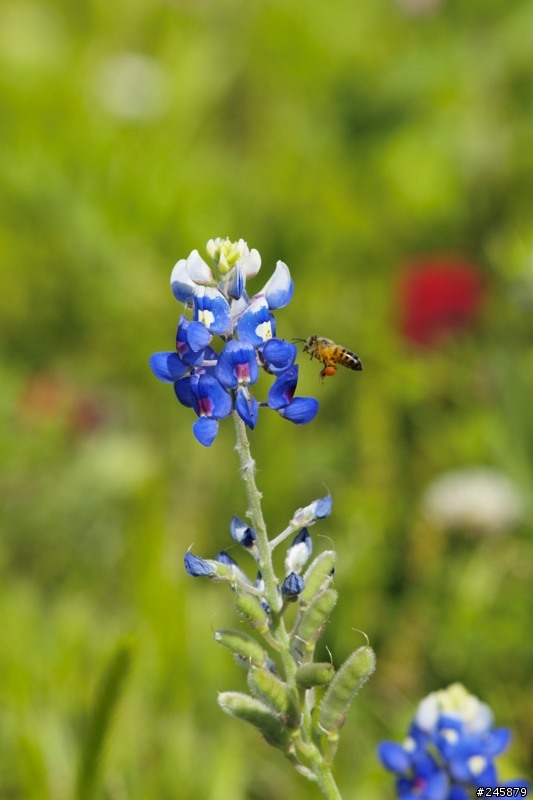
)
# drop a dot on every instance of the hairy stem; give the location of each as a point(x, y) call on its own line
point(320, 770)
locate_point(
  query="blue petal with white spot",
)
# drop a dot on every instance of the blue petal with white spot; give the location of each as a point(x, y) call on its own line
point(212, 309)
point(256, 325)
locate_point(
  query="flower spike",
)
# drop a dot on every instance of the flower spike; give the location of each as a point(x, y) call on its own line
point(216, 380)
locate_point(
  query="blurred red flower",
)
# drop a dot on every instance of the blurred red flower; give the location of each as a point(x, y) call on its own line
point(439, 296)
point(47, 399)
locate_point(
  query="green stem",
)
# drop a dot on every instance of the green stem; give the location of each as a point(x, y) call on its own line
point(255, 513)
point(320, 769)
point(325, 780)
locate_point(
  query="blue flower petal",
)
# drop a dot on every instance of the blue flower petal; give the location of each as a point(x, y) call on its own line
point(184, 393)
point(278, 355)
point(394, 757)
point(279, 288)
point(301, 410)
point(237, 283)
point(168, 367)
point(212, 309)
point(256, 325)
point(282, 390)
point(191, 340)
point(237, 365)
point(205, 429)
point(322, 507)
point(247, 407)
point(437, 786)
point(210, 399)
point(183, 287)
point(198, 567)
point(197, 336)
point(497, 741)
point(458, 793)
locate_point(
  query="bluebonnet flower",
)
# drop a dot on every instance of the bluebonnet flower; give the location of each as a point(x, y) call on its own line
point(216, 382)
point(450, 749)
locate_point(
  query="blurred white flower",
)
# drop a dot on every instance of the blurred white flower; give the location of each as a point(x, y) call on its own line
point(455, 701)
point(478, 499)
point(132, 86)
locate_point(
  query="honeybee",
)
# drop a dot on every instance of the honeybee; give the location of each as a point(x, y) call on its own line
point(330, 354)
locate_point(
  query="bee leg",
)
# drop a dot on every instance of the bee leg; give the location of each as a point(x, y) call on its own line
point(328, 371)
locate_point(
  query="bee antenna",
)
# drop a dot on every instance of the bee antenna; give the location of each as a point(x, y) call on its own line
point(299, 340)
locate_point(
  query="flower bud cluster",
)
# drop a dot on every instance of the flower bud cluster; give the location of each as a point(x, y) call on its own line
point(283, 678)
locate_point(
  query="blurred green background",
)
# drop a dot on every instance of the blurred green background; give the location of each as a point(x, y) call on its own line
point(346, 138)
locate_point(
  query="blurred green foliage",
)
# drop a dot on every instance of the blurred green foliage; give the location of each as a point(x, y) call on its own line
point(342, 138)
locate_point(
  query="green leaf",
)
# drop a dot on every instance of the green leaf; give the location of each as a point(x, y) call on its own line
point(112, 685)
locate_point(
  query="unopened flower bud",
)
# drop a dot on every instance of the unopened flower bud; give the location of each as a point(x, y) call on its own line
point(233, 571)
point(299, 552)
point(244, 535)
point(292, 586)
point(199, 567)
point(308, 515)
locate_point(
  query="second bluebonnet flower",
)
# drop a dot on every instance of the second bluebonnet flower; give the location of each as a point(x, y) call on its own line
point(215, 381)
point(450, 750)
